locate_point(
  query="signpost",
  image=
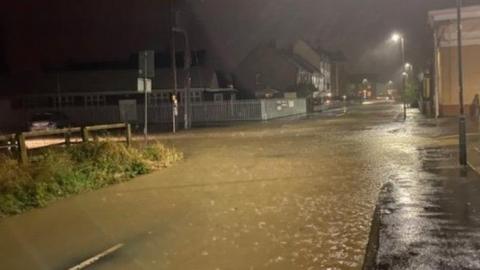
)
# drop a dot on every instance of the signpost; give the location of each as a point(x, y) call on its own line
point(146, 71)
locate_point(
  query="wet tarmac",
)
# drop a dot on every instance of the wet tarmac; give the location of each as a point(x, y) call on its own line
point(296, 193)
point(429, 216)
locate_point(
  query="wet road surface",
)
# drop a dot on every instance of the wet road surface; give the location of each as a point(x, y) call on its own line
point(430, 220)
point(295, 193)
point(429, 217)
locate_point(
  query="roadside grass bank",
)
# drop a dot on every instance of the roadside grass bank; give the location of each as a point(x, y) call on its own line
point(60, 172)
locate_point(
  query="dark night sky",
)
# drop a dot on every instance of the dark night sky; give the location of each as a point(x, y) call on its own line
point(50, 32)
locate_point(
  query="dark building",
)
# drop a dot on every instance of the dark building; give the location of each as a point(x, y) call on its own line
point(3, 53)
point(270, 71)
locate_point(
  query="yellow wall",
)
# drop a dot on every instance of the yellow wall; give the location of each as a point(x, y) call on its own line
point(449, 74)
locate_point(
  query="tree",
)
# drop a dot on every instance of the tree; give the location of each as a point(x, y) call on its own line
point(411, 91)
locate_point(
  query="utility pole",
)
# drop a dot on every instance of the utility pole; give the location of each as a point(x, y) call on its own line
point(145, 127)
point(397, 37)
point(404, 78)
point(462, 125)
point(174, 61)
point(146, 70)
point(187, 83)
point(187, 65)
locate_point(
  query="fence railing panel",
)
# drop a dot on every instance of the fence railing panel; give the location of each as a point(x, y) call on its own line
point(276, 108)
point(207, 111)
point(22, 137)
point(226, 111)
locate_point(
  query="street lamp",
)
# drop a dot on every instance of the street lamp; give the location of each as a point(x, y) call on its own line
point(398, 38)
point(462, 138)
point(365, 87)
point(408, 67)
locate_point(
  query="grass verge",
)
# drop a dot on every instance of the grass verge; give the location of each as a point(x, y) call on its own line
point(60, 172)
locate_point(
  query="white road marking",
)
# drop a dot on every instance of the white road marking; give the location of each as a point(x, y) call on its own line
point(95, 258)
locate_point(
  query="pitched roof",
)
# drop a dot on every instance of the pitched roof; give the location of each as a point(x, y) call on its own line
point(300, 62)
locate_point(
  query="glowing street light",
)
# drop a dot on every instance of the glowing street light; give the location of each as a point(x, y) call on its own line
point(408, 67)
point(398, 38)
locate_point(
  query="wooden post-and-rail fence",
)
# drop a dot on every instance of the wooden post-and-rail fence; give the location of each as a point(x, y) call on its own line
point(18, 140)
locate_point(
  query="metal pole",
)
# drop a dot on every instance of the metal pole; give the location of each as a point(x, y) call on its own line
point(462, 125)
point(404, 83)
point(145, 128)
point(174, 124)
point(174, 61)
point(187, 64)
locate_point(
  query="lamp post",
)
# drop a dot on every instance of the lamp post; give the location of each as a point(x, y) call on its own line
point(462, 137)
point(408, 67)
point(365, 88)
point(187, 59)
point(187, 118)
point(397, 38)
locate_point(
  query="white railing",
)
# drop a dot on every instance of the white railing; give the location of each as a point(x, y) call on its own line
point(202, 112)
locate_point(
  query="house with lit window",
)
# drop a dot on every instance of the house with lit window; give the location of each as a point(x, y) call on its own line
point(445, 96)
point(271, 71)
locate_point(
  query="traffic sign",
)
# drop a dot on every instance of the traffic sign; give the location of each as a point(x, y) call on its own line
point(141, 85)
point(146, 64)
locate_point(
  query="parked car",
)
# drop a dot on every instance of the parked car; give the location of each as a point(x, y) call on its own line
point(47, 121)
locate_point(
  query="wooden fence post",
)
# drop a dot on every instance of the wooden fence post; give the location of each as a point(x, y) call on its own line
point(67, 138)
point(128, 134)
point(22, 148)
point(11, 143)
point(84, 131)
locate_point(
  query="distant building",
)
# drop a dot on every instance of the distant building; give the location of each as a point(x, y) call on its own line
point(445, 76)
point(88, 84)
point(364, 85)
point(270, 71)
point(105, 92)
point(339, 74)
point(318, 58)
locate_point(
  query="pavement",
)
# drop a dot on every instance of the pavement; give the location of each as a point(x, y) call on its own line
point(295, 193)
point(429, 217)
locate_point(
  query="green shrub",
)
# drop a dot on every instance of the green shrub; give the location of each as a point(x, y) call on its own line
point(161, 155)
point(12, 174)
point(60, 172)
point(10, 204)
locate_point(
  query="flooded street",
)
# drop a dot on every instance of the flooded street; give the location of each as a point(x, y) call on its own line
point(240, 135)
point(294, 193)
